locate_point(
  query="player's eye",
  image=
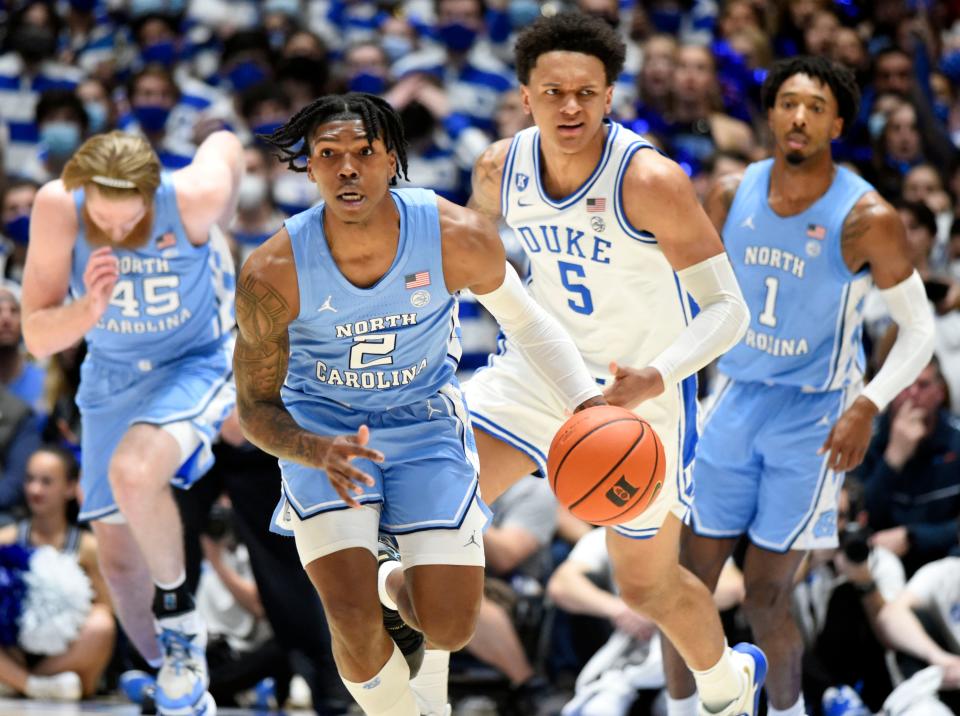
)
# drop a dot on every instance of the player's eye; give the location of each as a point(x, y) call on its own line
point(326, 152)
point(552, 92)
point(366, 151)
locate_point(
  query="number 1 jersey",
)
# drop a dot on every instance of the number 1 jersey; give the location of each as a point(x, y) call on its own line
point(172, 298)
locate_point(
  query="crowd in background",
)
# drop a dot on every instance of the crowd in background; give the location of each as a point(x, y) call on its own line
point(551, 630)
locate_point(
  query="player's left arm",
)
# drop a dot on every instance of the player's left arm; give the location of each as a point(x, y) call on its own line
point(474, 259)
point(208, 187)
point(873, 236)
point(661, 200)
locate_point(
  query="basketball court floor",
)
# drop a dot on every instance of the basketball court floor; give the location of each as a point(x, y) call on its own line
point(115, 707)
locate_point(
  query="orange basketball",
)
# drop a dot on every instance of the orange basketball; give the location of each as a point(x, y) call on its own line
point(606, 465)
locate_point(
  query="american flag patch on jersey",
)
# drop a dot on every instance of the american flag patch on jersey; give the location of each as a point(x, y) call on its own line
point(416, 280)
point(598, 204)
point(816, 231)
point(166, 241)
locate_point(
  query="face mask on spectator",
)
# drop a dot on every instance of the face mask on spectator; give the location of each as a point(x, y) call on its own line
point(96, 116)
point(290, 8)
point(252, 191)
point(246, 74)
point(162, 53)
point(83, 5)
point(666, 21)
point(152, 118)
point(18, 229)
point(396, 46)
point(367, 82)
point(34, 43)
point(876, 123)
point(457, 37)
point(265, 128)
point(60, 139)
point(523, 12)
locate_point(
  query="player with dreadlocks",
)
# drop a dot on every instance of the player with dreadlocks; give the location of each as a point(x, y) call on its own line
point(345, 371)
point(805, 237)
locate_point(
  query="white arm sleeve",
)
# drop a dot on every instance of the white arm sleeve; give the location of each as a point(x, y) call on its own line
point(541, 339)
point(722, 320)
point(913, 348)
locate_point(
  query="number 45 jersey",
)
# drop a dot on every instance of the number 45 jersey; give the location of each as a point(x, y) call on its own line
point(607, 282)
point(172, 298)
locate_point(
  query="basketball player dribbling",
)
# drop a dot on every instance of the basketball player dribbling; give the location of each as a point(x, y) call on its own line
point(151, 281)
point(617, 241)
point(345, 370)
point(805, 238)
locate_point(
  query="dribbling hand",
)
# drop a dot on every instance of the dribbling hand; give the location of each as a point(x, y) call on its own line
point(345, 478)
point(631, 386)
point(100, 278)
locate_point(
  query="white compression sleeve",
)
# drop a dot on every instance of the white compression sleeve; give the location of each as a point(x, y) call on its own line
point(722, 320)
point(541, 339)
point(913, 348)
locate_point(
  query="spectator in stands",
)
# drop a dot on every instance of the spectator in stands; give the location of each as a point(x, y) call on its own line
point(51, 492)
point(247, 59)
point(16, 202)
point(820, 35)
point(90, 40)
point(655, 84)
point(911, 474)
point(63, 123)
point(838, 599)
point(27, 67)
point(257, 216)
point(153, 93)
point(19, 438)
point(101, 112)
point(924, 622)
point(24, 378)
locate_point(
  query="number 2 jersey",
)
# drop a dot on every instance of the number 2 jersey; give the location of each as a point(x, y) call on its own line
point(172, 298)
point(607, 282)
point(806, 307)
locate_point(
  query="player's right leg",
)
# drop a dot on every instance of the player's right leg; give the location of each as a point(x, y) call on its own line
point(337, 549)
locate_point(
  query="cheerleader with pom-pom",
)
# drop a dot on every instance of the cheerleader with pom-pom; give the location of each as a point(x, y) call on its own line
point(57, 628)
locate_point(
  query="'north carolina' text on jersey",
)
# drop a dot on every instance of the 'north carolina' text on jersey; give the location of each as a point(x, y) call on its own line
point(394, 343)
point(806, 307)
point(172, 297)
point(606, 281)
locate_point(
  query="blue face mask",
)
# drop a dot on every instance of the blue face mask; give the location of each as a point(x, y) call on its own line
point(666, 21)
point(366, 82)
point(152, 118)
point(523, 12)
point(246, 74)
point(18, 229)
point(60, 139)
point(941, 111)
point(96, 116)
point(457, 37)
point(876, 123)
point(396, 46)
point(160, 53)
point(265, 128)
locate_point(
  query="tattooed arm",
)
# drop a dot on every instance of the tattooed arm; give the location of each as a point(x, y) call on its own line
point(268, 300)
point(486, 180)
point(720, 199)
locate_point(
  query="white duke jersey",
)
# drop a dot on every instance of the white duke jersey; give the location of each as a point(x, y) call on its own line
point(606, 282)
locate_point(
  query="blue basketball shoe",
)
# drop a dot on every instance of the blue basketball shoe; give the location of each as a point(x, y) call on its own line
point(751, 662)
point(183, 679)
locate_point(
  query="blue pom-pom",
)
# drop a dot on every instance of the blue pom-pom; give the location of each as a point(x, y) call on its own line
point(14, 562)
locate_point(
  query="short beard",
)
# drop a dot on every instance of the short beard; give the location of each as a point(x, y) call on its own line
point(138, 237)
point(795, 158)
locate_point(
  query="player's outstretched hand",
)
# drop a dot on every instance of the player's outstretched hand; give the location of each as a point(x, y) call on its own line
point(100, 277)
point(631, 386)
point(850, 436)
point(345, 478)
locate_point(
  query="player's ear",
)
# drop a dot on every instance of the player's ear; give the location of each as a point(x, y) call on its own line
point(392, 158)
point(837, 128)
point(525, 99)
point(310, 170)
point(608, 100)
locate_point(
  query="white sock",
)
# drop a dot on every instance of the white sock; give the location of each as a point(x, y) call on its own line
point(384, 571)
point(169, 587)
point(682, 707)
point(798, 709)
point(430, 685)
point(388, 693)
point(64, 686)
point(719, 685)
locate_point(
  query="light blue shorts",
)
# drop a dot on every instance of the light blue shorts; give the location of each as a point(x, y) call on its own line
point(189, 397)
point(757, 470)
point(428, 479)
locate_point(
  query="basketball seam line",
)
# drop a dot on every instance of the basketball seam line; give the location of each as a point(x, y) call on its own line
point(643, 431)
point(553, 480)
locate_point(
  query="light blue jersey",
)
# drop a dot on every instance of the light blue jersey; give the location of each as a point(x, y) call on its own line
point(806, 306)
point(173, 298)
point(160, 354)
point(385, 357)
point(394, 343)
